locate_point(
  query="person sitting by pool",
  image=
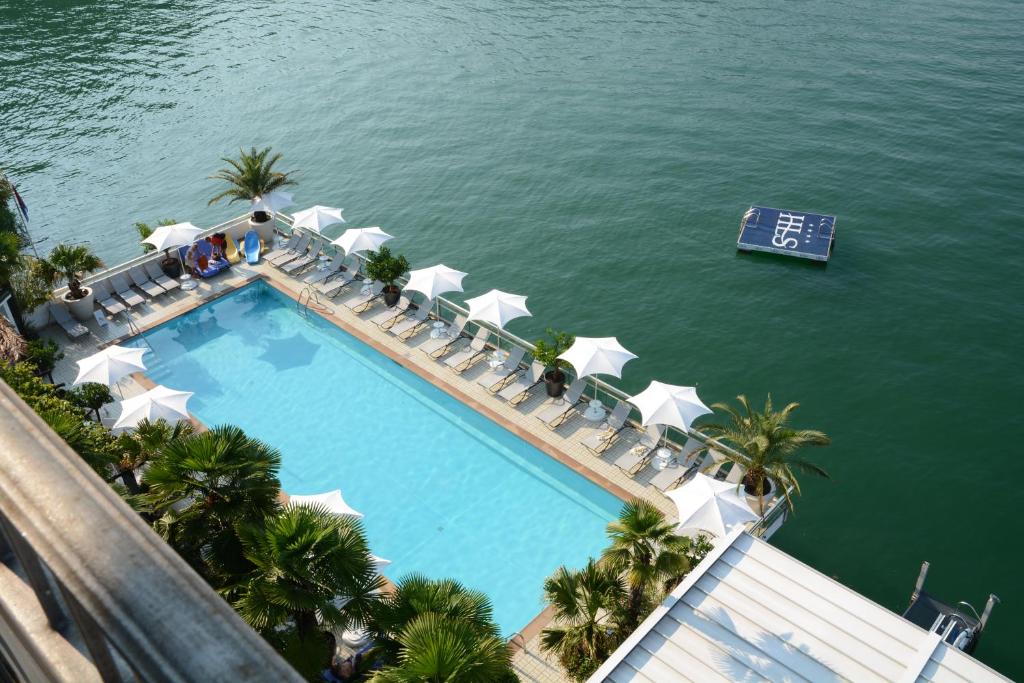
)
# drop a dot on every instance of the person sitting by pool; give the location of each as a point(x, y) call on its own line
point(192, 259)
point(214, 250)
point(219, 243)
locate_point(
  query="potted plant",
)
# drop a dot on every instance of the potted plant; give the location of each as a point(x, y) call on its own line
point(70, 264)
point(382, 266)
point(250, 176)
point(43, 354)
point(548, 353)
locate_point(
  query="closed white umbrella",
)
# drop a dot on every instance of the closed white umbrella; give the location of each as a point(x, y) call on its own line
point(317, 218)
point(169, 236)
point(668, 404)
point(272, 202)
point(355, 240)
point(331, 500)
point(434, 281)
point(709, 505)
point(159, 403)
point(108, 366)
point(497, 308)
point(597, 356)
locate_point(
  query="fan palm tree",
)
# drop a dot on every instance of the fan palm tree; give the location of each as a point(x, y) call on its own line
point(251, 175)
point(70, 263)
point(587, 604)
point(647, 551)
point(438, 649)
point(143, 444)
point(416, 595)
point(206, 484)
point(766, 446)
point(306, 561)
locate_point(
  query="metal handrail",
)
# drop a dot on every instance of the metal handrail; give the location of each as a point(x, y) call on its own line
point(136, 603)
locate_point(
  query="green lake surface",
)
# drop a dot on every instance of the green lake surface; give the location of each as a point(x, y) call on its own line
point(598, 157)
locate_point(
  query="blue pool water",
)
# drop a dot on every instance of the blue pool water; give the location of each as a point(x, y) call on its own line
point(444, 490)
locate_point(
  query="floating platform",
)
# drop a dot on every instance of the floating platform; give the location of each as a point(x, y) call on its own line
point(793, 233)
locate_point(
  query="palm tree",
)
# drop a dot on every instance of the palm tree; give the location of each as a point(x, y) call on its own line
point(304, 561)
point(143, 444)
point(439, 649)
point(647, 551)
point(251, 175)
point(67, 263)
point(416, 595)
point(766, 447)
point(11, 259)
point(587, 604)
point(206, 484)
point(12, 345)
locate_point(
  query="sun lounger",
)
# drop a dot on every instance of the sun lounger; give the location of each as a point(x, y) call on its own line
point(102, 296)
point(438, 346)
point(465, 358)
point(557, 413)
point(390, 315)
point(335, 283)
point(599, 441)
point(142, 281)
point(123, 288)
point(671, 476)
point(304, 261)
point(252, 245)
point(288, 248)
point(501, 374)
point(633, 460)
point(518, 391)
point(290, 255)
point(333, 267)
point(735, 474)
point(72, 327)
point(365, 297)
point(157, 276)
point(412, 324)
point(231, 251)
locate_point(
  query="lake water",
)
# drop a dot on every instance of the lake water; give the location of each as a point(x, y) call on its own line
point(598, 158)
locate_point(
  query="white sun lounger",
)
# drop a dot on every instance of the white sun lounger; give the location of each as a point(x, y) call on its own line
point(158, 276)
point(518, 391)
point(332, 268)
point(333, 285)
point(437, 347)
point(124, 290)
point(389, 316)
point(142, 281)
point(670, 477)
point(303, 261)
point(503, 372)
point(104, 298)
point(557, 413)
point(412, 324)
point(465, 358)
point(291, 254)
point(599, 441)
point(288, 248)
point(633, 460)
point(72, 327)
point(360, 302)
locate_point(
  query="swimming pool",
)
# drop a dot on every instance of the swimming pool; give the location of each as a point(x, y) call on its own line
point(444, 490)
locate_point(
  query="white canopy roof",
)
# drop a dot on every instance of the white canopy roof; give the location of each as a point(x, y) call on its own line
point(709, 505)
point(597, 356)
point(273, 201)
point(668, 404)
point(317, 218)
point(355, 240)
point(170, 236)
point(109, 365)
point(331, 500)
point(497, 307)
point(159, 403)
point(435, 280)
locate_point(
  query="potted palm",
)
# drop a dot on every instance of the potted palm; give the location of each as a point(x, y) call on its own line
point(250, 176)
point(382, 266)
point(70, 264)
point(766, 447)
point(548, 353)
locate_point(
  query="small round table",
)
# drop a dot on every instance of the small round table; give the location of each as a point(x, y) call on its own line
point(438, 330)
point(324, 258)
point(595, 411)
point(187, 283)
point(662, 457)
point(366, 286)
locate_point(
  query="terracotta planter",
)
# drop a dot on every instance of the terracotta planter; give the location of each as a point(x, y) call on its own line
point(80, 308)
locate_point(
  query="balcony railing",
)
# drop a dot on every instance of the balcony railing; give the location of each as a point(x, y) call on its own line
point(88, 592)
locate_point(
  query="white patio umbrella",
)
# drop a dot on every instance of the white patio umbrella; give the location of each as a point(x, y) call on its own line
point(668, 404)
point(434, 281)
point(379, 562)
point(331, 500)
point(497, 308)
point(597, 356)
point(272, 202)
point(317, 218)
point(169, 236)
point(108, 366)
point(709, 505)
point(156, 404)
point(355, 240)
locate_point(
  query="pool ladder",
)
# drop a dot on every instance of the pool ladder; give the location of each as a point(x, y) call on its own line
point(134, 329)
point(309, 297)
